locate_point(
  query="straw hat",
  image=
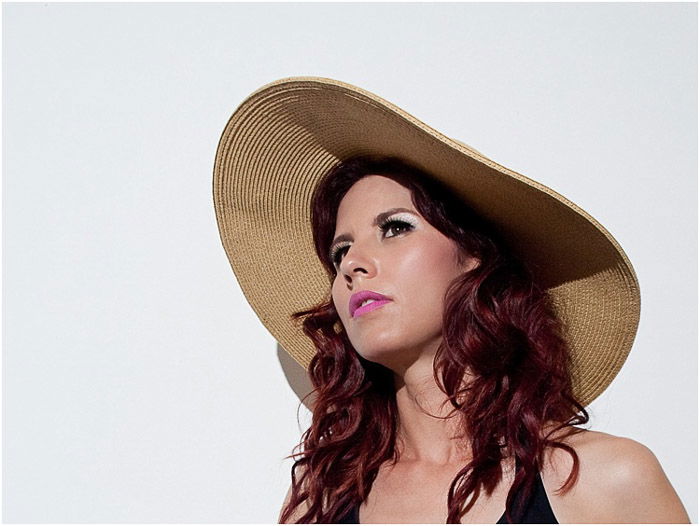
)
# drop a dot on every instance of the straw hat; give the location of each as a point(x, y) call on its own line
point(286, 135)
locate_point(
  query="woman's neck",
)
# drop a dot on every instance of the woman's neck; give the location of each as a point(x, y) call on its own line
point(429, 429)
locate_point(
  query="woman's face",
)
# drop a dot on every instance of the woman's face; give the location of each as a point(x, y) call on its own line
point(401, 256)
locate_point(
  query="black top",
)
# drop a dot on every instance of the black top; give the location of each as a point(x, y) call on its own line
point(537, 510)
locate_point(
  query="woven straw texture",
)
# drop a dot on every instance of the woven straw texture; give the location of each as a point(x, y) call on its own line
point(285, 136)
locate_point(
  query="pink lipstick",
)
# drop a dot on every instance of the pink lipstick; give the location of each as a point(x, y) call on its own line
point(356, 300)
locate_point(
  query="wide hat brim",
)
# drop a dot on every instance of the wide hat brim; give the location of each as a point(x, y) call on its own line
point(285, 136)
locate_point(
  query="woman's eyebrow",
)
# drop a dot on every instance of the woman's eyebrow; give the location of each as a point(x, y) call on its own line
point(377, 221)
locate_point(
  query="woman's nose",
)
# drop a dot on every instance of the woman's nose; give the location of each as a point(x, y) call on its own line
point(356, 262)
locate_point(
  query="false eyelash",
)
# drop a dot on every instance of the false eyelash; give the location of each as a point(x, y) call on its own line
point(390, 221)
point(384, 227)
point(335, 252)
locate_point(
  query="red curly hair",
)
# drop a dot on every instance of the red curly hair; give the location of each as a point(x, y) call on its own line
point(499, 327)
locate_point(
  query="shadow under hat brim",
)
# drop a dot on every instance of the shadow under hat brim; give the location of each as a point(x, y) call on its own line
point(284, 137)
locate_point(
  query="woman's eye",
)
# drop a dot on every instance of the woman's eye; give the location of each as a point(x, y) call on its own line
point(396, 226)
point(338, 253)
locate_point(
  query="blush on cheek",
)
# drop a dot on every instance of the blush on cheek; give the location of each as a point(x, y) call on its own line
point(335, 299)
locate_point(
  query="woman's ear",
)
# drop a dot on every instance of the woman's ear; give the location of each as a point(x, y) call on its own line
point(471, 263)
point(467, 262)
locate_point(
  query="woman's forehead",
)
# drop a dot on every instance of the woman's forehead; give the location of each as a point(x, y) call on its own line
point(371, 195)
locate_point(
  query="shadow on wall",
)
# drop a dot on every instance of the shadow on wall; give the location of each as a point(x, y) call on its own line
point(297, 378)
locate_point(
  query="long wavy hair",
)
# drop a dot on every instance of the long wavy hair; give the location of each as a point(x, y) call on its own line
point(499, 329)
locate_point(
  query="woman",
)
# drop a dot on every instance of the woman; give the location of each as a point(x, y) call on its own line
point(465, 316)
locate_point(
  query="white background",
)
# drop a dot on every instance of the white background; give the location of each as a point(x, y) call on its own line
point(138, 385)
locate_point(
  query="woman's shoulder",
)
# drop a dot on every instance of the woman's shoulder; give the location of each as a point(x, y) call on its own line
point(300, 510)
point(619, 480)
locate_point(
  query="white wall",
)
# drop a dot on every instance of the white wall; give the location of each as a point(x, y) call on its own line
point(138, 384)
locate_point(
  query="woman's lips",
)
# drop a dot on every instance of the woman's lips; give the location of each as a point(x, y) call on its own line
point(360, 297)
point(369, 307)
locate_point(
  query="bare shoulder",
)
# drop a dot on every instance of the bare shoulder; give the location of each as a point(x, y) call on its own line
point(620, 481)
point(299, 511)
